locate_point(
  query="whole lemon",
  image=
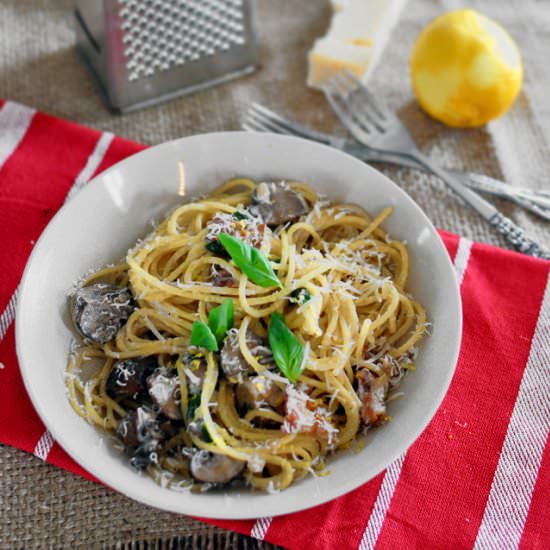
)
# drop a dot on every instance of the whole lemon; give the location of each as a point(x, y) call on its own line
point(465, 69)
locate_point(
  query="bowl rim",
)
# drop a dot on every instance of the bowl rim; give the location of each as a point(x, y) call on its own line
point(267, 508)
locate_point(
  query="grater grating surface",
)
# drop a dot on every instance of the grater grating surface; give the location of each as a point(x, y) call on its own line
point(147, 51)
point(159, 35)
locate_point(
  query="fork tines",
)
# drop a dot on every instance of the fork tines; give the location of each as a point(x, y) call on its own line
point(260, 118)
point(347, 83)
point(356, 106)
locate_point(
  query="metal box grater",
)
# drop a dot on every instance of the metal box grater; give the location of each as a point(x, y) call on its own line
point(147, 51)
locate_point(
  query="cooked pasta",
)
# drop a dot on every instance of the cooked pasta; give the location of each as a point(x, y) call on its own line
point(300, 356)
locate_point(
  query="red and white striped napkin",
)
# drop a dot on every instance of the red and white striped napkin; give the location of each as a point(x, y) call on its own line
point(479, 475)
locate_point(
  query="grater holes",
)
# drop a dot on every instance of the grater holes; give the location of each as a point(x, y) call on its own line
point(160, 34)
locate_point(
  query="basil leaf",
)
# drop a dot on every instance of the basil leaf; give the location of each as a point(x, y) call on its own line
point(251, 261)
point(240, 216)
point(205, 434)
point(192, 406)
point(202, 336)
point(221, 319)
point(300, 296)
point(287, 350)
point(216, 248)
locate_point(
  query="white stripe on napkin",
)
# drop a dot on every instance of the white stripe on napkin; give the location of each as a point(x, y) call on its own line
point(387, 489)
point(514, 480)
point(259, 529)
point(45, 442)
point(15, 120)
point(8, 315)
point(381, 505)
point(93, 161)
point(461, 259)
point(44, 445)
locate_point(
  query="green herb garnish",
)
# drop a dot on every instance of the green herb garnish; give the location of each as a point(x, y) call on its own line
point(287, 350)
point(206, 434)
point(203, 337)
point(251, 261)
point(216, 248)
point(221, 319)
point(240, 216)
point(192, 406)
point(300, 296)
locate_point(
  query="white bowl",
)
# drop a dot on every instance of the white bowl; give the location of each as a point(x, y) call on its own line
point(107, 217)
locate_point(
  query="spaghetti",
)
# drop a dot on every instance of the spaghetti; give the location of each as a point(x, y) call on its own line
point(235, 413)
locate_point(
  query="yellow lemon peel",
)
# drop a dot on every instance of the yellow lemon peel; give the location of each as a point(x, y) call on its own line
point(466, 69)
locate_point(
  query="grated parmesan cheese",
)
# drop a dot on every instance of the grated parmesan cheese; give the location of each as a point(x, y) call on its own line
point(271, 489)
point(256, 463)
point(303, 416)
point(152, 328)
point(249, 229)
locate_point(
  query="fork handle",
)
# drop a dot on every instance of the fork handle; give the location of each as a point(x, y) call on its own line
point(495, 187)
point(515, 234)
point(505, 226)
point(534, 201)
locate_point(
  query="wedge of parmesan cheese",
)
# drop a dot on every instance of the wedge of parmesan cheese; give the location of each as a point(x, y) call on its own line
point(357, 35)
point(338, 5)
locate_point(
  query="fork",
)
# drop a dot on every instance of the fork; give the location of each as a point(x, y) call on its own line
point(378, 128)
point(260, 118)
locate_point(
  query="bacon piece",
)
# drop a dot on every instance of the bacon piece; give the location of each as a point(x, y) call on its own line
point(304, 416)
point(246, 228)
point(232, 361)
point(372, 392)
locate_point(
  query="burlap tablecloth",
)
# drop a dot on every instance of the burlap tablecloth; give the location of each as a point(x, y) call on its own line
point(45, 507)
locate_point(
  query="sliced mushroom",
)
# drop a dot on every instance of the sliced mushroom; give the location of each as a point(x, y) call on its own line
point(222, 277)
point(372, 391)
point(127, 430)
point(195, 369)
point(129, 377)
point(142, 436)
point(215, 468)
point(146, 454)
point(170, 428)
point(277, 203)
point(232, 361)
point(259, 392)
point(100, 310)
point(164, 389)
point(138, 426)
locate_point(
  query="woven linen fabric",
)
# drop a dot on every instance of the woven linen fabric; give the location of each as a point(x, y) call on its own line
point(481, 470)
point(47, 507)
